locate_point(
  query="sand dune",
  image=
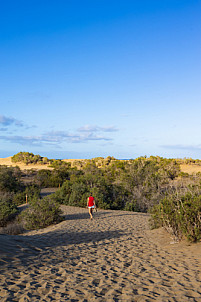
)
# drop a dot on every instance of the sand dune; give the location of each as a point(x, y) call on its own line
point(7, 162)
point(115, 257)
point(190, 169)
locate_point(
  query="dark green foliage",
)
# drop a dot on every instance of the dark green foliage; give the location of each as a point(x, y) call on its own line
point(8, 210)
point(132, 206)
point(57, 164)
point(142, 180)
point(78, 193)
point(28, 158)
point(180, 214)
point(43, 178)
point(46, 178)
point(134, 185)
point(76, 190)
point(190, 216)
point(30, 192)
point(40, 214)
point(9, 179)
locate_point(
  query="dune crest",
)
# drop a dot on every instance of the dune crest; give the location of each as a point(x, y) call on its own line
point(8, 162)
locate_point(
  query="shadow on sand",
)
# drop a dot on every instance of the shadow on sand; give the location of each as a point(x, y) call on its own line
point(30, 246)
point(101, 214)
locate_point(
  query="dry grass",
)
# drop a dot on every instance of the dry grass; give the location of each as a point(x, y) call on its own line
point(13, 228)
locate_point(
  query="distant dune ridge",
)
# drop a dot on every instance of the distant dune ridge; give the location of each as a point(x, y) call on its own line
point(8, 162)
point(115, 257)
point(187, 168)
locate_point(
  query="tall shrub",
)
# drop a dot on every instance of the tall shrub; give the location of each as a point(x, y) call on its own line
point(180, 215)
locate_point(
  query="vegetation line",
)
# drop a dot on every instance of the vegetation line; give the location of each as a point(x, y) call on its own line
point(153, 184)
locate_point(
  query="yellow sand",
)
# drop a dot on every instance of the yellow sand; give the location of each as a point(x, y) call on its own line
point(190, 169)
point(8, 162)
point(115, 257)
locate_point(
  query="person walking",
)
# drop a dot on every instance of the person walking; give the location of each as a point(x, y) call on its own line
point(91, 205)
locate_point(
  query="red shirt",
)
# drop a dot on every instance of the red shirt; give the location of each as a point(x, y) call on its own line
point(90, 201)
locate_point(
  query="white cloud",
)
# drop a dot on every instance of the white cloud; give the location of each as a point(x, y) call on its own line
point(94, 128)
point(22, 140)
point(60, 136)
point(84, 134)
point(11, 121)
point(55, 138)
point(7, 121)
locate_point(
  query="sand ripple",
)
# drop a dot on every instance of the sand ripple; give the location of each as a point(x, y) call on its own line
point(115, 257)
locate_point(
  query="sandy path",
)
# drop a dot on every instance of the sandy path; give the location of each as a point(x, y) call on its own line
point(112, 258)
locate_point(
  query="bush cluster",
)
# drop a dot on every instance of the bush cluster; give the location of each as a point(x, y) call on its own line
point(180, 214)
point(29, 158)
point(130, 184)
point(52, 178)
point(27, 194)
point(13, 192)
point(41, 213)
point(135, 185)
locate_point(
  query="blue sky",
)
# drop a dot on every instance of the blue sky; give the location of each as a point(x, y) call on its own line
point(82, 79)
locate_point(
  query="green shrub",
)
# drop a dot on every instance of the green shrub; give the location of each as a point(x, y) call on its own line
point(9, 179)
point(54, 178)
point(132, 206)
point(28, 158)
point(62, 195)
point(190, 216)
point(180, 215)
point(40, 214)
point(155, 220)
point(31, 191)
point(8, 210)
point(183, 174)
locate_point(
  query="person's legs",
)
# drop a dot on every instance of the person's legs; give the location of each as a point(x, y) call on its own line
point(90, 213)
